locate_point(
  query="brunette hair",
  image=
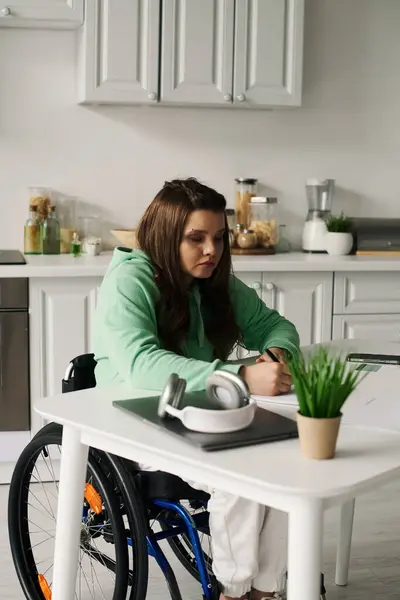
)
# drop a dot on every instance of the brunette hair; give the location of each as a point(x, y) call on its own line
point(159, 235)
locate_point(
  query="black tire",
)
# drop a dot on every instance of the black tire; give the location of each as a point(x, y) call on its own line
point(182, 548)
point(132, 506)
point(105, 527)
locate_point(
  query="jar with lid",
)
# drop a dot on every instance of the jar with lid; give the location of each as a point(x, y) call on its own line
point(263, 220)
point(247, 239)
point(246, 188)
point(39, 197)
point(33, 233)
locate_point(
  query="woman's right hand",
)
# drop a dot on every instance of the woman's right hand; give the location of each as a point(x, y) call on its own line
point(267, 378)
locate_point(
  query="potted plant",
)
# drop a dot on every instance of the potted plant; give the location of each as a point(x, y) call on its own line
point(322, 383)
point(339, 238)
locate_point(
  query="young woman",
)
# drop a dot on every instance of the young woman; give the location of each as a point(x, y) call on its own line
point(174, 306)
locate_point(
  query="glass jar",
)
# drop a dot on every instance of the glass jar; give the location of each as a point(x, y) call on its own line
point(66, 213)
point(51, 233)
point(247, 239)
point(90, 229)
point(283, 243)
point(246, 188)
point(263, 220)
point(40, 198)
point(33, 233)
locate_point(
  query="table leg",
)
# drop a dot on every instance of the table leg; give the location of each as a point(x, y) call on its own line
point(74, 457)
point(344, 542)
point(305, 550)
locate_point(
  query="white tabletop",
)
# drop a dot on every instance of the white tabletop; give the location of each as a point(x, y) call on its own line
point(364, 456)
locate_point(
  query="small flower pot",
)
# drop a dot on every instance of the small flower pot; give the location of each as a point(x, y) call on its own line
point(318, 437)
point(338, 244)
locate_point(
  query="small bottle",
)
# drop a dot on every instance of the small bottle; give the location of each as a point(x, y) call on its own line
point(51, 233)
point(75, 246)
point(32, 233)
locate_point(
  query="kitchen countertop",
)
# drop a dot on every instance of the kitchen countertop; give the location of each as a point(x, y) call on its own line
point(65, 265)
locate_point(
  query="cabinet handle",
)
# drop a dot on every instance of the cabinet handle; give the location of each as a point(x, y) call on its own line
point(256, 285)
point(241, 98)
point(270, 286)
point(228, 98)
point(153, 96)
point(5, 12)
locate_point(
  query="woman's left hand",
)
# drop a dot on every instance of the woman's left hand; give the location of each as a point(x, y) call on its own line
point(278, 352)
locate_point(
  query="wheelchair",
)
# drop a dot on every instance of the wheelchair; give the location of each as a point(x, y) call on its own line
point(126, 513)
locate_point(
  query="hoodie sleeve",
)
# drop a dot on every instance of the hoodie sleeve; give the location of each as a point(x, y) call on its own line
point(126, 324)
point(261, 326)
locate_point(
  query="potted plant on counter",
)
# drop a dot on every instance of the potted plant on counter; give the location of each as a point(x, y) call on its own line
point(339, 238)
point(322, 383)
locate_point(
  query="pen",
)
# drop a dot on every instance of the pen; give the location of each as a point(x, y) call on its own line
point(272, 355)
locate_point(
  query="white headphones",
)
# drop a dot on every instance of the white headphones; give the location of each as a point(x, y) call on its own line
point(238, 408)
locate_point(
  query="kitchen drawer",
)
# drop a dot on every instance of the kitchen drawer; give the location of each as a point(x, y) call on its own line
point(366, 293)
point(380, 328)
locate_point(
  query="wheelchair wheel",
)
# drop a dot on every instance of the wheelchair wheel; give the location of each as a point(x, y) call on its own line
point(103, 570)
point(181, 545)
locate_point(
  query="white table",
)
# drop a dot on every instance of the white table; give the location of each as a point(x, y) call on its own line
point(272, 474)
point(358, 410)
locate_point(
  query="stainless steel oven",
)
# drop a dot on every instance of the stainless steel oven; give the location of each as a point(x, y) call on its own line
point(14, 355)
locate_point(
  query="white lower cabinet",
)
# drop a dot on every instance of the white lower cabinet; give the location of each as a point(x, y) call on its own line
point(61, 317)
point(303, 298)
point(43, 14)
point(382, 328)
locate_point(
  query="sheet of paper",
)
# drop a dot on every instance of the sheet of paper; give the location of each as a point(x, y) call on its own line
point(376, 400)
point(282, 400)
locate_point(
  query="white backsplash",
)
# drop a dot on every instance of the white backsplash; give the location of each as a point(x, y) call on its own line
point(117, 158)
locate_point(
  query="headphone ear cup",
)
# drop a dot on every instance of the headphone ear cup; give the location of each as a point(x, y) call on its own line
point(168, 394)
point(218, 379)
point(179, 393)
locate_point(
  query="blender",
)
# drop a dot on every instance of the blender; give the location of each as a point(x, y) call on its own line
point(319, 197)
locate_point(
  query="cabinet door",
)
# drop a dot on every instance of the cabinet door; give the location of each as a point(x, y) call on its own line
point(51, 14)
point(379, 328)
point(197, 51)
point(119, 52)
point(268, 52)
point(61, 313)
point(303, 298)
point(367, 293)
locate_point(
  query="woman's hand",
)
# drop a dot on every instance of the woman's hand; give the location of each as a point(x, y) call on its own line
point(267, 378)
point(278, 352)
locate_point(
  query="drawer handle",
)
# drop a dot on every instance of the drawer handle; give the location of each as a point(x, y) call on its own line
point(256, 285)
point(5, 12)
point(270, 286)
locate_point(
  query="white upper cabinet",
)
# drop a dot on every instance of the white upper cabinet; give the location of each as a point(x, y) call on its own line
point(268, 52)
point(197, 51)
point(119, 52)
point(244, 53)
point(46, 14)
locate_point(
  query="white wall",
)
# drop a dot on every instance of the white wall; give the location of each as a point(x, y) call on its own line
point(117, 158)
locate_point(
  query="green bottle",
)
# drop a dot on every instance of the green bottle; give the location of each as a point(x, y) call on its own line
point(75, 246)
point(51, 233)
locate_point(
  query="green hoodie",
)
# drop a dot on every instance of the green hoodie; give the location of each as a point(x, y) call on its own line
point(126, 343)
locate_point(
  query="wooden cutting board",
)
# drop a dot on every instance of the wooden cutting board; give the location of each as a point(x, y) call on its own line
point(252, 251)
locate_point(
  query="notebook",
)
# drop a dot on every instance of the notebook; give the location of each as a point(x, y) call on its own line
point(266, 427)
